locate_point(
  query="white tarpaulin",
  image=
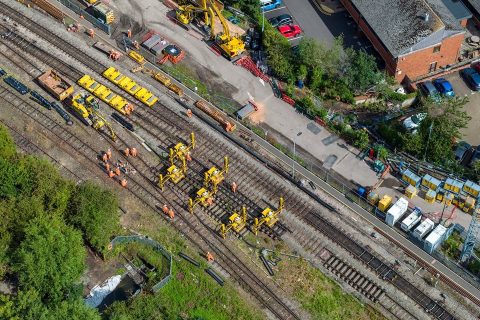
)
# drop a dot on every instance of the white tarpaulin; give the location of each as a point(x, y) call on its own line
point(99, 292)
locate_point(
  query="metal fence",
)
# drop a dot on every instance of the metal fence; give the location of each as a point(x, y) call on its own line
point(87, 16)
point(156, 246)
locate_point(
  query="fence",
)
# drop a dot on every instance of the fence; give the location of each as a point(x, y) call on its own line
point(79, 10)
point(156, 246)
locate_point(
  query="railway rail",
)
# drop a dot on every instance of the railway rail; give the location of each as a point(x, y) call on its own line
point(145, 192)
point(172, 126)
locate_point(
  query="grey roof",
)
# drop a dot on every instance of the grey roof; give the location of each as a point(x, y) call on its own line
point(401, 25)
point(458, 9)
point(475, 4)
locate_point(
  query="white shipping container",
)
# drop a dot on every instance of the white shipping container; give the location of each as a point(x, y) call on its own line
point(423, 229)
point(396, 211)
point(411, 220)
point(434, 239)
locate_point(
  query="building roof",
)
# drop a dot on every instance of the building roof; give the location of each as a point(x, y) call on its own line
point(474, 4)
point(458, 9)
point(402, 26)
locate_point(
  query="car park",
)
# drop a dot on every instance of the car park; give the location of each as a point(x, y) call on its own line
point(290, 31)
point(267, 5)
point(281, 20)
point(428, 90)
point(461, 150)
point(471, 77)
point(413, 122)
point(444, 87)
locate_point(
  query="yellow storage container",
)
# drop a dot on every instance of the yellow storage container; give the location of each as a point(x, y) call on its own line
point(448, 198)
point(410, 191)
point(430, 196)
point(471, 188)
point(453, 185)
point(385, 203)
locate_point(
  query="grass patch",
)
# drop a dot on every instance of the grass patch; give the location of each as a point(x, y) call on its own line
point(319, 295)
point(451, 246)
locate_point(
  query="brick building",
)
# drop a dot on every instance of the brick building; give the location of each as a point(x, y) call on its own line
point(413, 37)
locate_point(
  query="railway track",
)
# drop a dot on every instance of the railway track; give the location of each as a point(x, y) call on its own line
point(141, 187)
point(171, 127)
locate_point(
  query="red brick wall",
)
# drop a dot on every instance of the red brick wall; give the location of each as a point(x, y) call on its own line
point(418, 62)
point(414, 64)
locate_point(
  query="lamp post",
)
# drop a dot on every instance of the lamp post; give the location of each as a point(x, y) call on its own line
point(294, 154)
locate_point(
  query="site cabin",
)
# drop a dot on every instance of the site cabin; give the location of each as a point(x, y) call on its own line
point(425, 227)
point(435, 238)
point(396, 211)
point(411, 220)
point(57, 85)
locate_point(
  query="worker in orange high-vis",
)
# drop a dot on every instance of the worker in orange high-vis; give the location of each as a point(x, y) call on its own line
point(171, 214)
point(109, 153)
point(234, 187)
point(91, 33)
point(133, 152)
point(209, 201)
point(210, 257)
point(129, 33)
point(189, 113)
point(123, 182)
point(107, 166)
point(165, 209)
point(105, 157)
point(126, 152)
point(117, 171)
point(188, 156)
point(111, 174)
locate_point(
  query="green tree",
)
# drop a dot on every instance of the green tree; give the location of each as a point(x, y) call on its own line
point(316, 55)
point(25, 305)
point(279, 54)
point(7, 146)
point(441, 127)
point(50, 258)
point(94, 211)
point(75, 309)
point(361, 72)
point(360, 139)
point(382, 153)
point(476, 167)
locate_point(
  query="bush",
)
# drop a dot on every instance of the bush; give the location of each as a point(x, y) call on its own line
point(7, 146)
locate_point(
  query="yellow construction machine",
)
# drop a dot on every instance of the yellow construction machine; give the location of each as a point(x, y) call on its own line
point(204, 197)
point(268, 217)
point(230, 45)
point(87, 107)
point(214, 176)
point(174, 173)
point(181, 151)
point(236, 222)
point(187, 13)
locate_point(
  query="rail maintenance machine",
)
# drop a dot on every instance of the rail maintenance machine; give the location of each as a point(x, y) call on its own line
point(236, 222)
point(269, 217)
point(213, 177)
point(174, 173)
point(181, 151)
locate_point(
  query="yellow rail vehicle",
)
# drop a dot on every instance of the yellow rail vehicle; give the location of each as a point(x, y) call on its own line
point(214, 176)
point(268, 217)
point(113, 75)
point(181, 151)
point(236, 222)
point(129, 86)
point(174, 174)
point(204, 198)
point(135, 56)
point(146, 97)
point(88, 83)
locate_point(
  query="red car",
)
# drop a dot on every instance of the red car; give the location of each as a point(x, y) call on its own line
point(290, 31)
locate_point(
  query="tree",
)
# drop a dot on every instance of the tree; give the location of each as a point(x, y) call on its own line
point(94, 211)
point(279, 54)
point(361, 72)
point(25, 305)
point(7, 146)
point(441, 127)
point(316, 55)
point(75, 309)
point(50, 258)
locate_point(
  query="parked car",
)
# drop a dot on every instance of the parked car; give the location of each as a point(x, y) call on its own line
point(267, 5)
point(475, 157)
point(471, 77)
point(290, 31)
point(428, 90)
point(281, 20)
point(413, 122)
point(461, 150)
point(444, 87)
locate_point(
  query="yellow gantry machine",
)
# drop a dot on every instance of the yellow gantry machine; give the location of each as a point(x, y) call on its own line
point(174, 173)
point(236, 222)
point(181, 151)
point(268, 217)
point(213, 177)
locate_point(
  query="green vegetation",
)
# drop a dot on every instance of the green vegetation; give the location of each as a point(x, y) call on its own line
point(190, 294)
point(322, 297)
point(451, 246)
point(38, 246)
point(93, 211)
point(436, 134)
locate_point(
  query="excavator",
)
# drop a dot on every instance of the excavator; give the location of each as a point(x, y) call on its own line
point(231, 46)
point(87, 107)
